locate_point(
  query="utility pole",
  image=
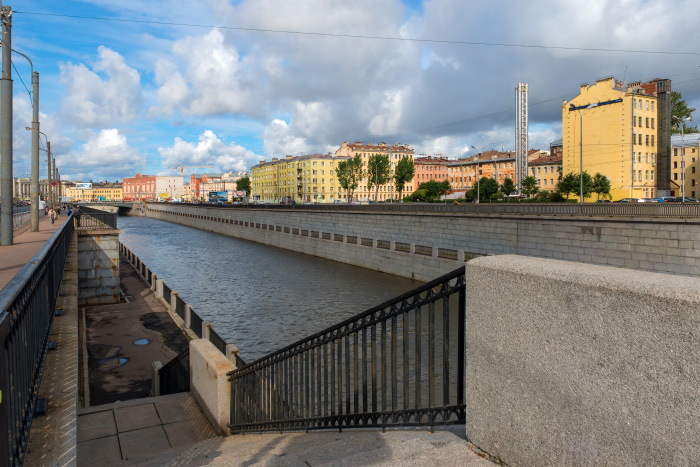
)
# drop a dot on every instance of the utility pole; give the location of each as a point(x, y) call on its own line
point(48, 174)
point(6, 128)
point(35, 153)
point(55, 177)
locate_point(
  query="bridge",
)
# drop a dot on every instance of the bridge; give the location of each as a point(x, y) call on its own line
point(599, 355)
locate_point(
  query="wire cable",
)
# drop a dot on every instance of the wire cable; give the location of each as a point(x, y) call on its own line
point(359, 36)
point(31, 100)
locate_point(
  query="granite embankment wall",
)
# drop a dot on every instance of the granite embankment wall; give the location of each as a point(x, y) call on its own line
point(582, 364)
point(425, 245)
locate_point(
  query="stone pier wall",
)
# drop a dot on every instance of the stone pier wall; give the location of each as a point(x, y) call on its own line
point(98, 267)
point(425, 245)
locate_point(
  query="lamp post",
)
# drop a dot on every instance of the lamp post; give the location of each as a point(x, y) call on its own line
point(683, 120)
point(478, 175)
point(580, 150)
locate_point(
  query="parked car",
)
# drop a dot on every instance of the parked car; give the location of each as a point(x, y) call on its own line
point(649, 200)
point(685, 200)
point(629, 200)
point(665, 199)
point(603, 201)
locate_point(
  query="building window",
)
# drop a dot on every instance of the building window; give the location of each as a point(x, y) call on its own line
point(647, 122)
point(675, 175)
point(652, 122)
point(646, 175)
point(693, 169)
point(652, 140)
point(647, 140)
point(652, 175)
point(675, 153)
point(647, 159)
point(640, 122)
point(692, 183)
point(652, 105)
point(640, 175)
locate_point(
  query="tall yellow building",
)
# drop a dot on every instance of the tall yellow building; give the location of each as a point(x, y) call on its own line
point(97, 192)
point(309, 178)
point(626, 135)
point(686, 154)
point(395, 152)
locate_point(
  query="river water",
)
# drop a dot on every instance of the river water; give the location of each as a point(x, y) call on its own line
point(259, 297)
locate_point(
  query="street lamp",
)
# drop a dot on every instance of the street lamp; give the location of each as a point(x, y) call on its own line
point(48, 151)
point(683, 120)
point(478, 175)
point(580, 175)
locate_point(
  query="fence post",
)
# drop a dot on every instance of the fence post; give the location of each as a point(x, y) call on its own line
point(232, 353)
point(188, 317)
point(159, 288)
point(460, 256)
point(206, 326)
point(155, 378)
point(154, 281)
point(173, 302)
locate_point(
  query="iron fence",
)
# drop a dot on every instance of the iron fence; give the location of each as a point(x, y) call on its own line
point(175, 375)
point(398, 364)
point(27, 308)
point(196, 323)
point(180, 307)
point(94, 219)
point(218, 342)
point(167, 294)
point(21, 219)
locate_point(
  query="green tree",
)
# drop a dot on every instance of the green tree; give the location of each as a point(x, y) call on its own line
point(405, 170)
point(377, 173)
point(243, 184)
point(430, 191)
point(601, 186)
point(349, 173)
point(486, 187)
point(507, 187)
point(679, 112)
point(571, 183)
point(530, 187)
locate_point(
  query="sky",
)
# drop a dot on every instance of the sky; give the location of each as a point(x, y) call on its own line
point(132, 86)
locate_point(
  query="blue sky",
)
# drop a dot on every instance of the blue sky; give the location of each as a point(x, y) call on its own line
point(120, 97)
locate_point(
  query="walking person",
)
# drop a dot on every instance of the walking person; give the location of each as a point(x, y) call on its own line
point(52, 215)
point(76, 215)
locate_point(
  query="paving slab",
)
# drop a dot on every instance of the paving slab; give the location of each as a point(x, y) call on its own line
point(137, 417)
point(97, 425)
point(99, 451)
point(140, 443)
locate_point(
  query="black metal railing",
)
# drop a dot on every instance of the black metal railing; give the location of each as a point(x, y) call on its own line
point(218, 342)
point(175, 375)
point(167, 293)
point(94, 219)
point(180, 307)
point(196, 323)
point(398, 364)
point(27, 308)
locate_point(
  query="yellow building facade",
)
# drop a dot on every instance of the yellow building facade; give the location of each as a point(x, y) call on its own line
point(686, 153)
point(626, 135)
point(395, 152)
point(310, 178)
point(111, 192)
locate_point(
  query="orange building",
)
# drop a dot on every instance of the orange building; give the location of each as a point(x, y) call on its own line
point(430, 168)
point(464, 173)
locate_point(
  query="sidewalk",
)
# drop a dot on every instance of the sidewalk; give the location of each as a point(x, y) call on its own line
point(25, 245)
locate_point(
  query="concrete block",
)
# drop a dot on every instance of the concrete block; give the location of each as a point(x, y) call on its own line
point(594, 366)
point(209, 384)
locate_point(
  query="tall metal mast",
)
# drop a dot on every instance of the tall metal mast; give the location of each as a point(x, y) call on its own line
point(521, 141)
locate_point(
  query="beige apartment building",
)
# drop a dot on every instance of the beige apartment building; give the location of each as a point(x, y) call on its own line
point(685, 152)
point(546, 170)
point(395, 152)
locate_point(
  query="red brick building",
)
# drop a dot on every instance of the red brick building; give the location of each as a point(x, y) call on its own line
point(140, 188)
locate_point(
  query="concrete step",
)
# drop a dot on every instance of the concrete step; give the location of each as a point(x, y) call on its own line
point(396, 447)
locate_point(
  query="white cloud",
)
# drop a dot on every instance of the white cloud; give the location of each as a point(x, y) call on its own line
point(209, 150)
point(104, 156)
point(93, 101)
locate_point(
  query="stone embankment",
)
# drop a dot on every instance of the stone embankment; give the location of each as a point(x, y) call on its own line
point(425, 245)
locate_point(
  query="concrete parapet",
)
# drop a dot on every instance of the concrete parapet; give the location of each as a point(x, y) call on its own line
point(209, 384)
point(98, 266)
point(573, 364)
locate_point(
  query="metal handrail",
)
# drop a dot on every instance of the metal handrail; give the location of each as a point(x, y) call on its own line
point(27, 309)
point(21, 219)
point(94, 219)
point(337, 378)
point(175, 375)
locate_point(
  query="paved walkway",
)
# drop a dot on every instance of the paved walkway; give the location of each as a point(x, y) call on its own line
point(123, 340)
point(132, 430)
point(25, 245)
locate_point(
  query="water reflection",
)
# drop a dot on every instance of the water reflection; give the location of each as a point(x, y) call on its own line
point(258, 297)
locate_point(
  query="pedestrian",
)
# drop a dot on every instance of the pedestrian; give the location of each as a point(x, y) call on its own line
point(46, 210)
point(70, 209)
point(76, 215)
point(58, 211)
point(52, 215)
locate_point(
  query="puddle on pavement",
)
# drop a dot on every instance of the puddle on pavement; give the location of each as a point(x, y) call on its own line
point(142, 342)
point(108, 364)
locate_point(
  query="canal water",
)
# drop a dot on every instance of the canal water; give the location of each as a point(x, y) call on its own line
point(259, 297)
